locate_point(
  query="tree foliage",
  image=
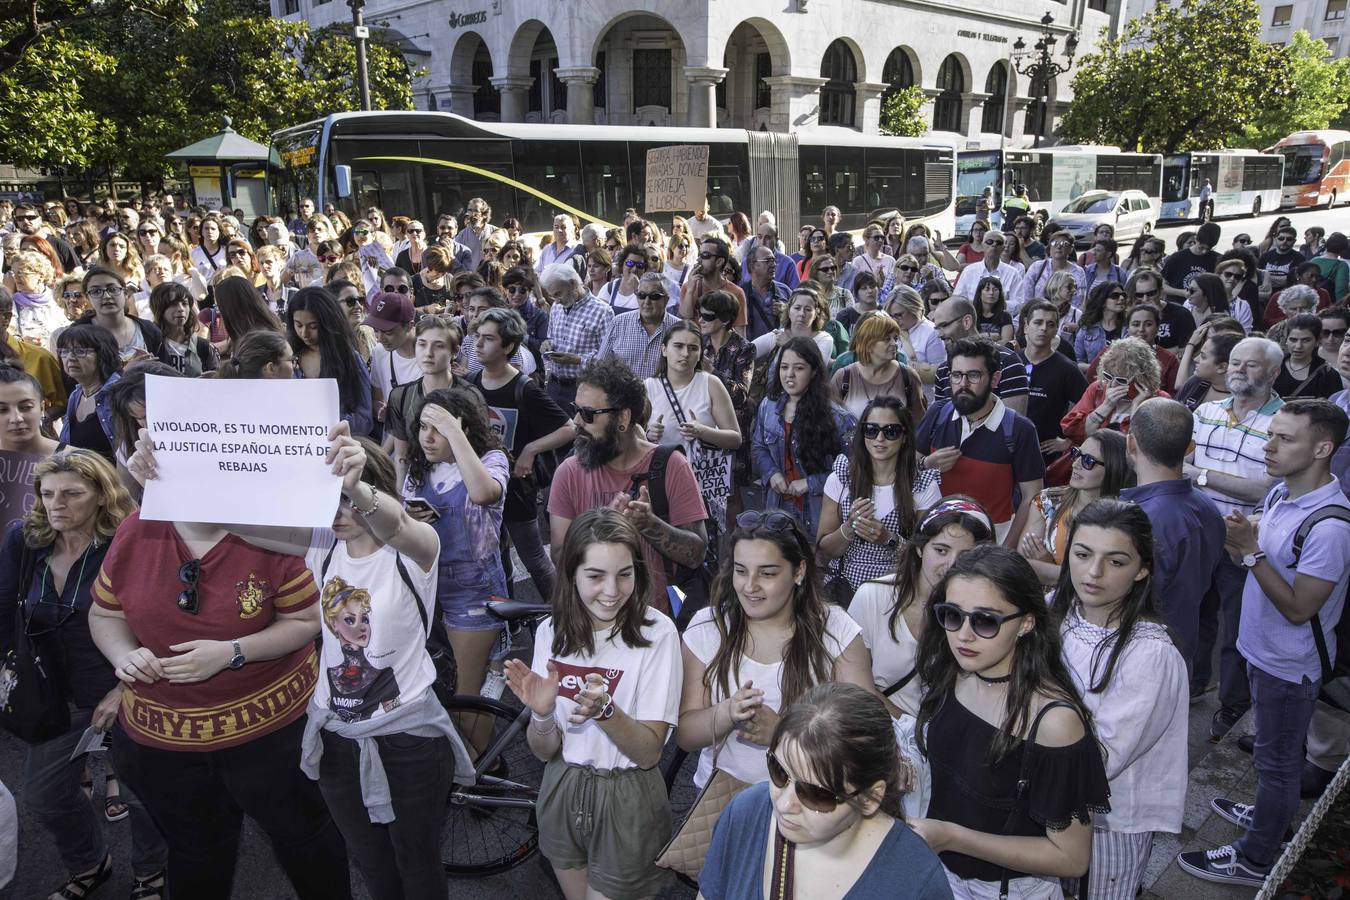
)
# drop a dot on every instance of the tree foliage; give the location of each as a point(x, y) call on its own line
point(27, 24)
point(154, 88)
point(1191, 75)
point(1320, 90)
point(901, 114)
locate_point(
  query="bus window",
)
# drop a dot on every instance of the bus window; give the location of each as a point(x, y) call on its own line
point(552, 168)
point(1303, 163)
point(1175, 180)
point(844, 183)
point(448, 190)
point(727, 190)
point(895, 179)
point(376, 181)
point(609, 187)
point(812, 163)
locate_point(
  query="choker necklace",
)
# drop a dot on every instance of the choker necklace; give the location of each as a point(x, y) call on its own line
point(1002, 679)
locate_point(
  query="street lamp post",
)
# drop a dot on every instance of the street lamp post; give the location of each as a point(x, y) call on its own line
point(1039, 64)
point(359, 33)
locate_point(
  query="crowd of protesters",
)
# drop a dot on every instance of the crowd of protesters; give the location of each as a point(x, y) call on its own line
point(931, 548)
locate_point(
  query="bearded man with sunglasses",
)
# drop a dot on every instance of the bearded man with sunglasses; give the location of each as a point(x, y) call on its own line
point(612, 466)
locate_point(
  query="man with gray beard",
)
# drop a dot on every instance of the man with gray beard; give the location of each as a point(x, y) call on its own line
point(1229, 465)
point(612, 466)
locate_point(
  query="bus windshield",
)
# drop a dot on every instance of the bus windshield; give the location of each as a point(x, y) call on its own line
point(299, 175)
point(975, 172)
point(1303, 164)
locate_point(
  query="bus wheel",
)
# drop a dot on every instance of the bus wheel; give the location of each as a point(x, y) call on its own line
point(1256, 208)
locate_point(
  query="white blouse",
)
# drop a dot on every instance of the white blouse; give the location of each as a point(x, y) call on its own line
point(1141, 720)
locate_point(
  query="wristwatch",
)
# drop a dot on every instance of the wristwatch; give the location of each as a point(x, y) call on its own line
point(608, 711)
point(236, 661)
point(1250, 560)
point(1203, 478)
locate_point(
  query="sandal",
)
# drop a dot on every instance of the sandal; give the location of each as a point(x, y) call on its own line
point(149, 888)
point(114, 810)
point(82, 886)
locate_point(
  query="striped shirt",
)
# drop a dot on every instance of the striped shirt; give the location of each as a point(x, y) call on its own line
point(578, 329)
point(1224, 444)
point(628, 339)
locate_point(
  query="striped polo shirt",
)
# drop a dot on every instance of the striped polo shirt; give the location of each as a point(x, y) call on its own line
point(1224, 444)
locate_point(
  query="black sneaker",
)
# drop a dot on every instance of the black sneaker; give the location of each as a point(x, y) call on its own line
point(1224, 865)
point(1223, 722)
point(1247, 743)
point(1240, 814)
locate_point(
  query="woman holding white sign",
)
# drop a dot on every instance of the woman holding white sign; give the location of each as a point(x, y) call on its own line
point(691, 407)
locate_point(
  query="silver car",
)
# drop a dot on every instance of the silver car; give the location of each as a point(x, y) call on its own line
point(1131, 212)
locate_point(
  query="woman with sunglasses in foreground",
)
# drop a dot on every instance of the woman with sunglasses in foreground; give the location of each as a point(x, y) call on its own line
point(1017, 773)
point(828, 823)
point(603, 691)
point(892, 610)
point(213, 639)
point(1100, 469)
point(766, 638)
point(872, 495)
point(1133, 681)
point(48, 564)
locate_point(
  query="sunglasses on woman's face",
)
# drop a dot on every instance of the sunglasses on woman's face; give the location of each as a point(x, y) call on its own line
point(1089, 461)
point(891, 432)
point(984, 623)
point(329, 259)
point(812, 796)
point(708, 315)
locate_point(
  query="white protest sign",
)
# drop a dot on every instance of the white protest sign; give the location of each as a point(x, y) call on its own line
point(677, 178)
point(241, 451)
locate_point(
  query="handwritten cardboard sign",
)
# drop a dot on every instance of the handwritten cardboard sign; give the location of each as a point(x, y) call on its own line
point(677, 178)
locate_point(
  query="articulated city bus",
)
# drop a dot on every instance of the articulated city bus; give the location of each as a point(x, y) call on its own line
point(423, 164)
point(1242, 182)
point(1316, 168)
point(1054, 177)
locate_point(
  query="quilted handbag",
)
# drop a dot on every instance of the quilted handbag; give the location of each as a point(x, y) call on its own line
point(689, 847)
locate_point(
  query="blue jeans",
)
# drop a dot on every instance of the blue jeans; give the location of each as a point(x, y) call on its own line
point(1224, 601)
point(54, 797)
point(1283, 710)
point(530, 548)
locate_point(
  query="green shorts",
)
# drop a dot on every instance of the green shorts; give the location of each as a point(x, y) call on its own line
point(612, 823)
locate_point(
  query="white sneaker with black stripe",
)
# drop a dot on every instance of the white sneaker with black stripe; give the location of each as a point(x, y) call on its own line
point(1224, 865)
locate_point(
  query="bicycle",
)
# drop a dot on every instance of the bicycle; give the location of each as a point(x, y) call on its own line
point(490, 825)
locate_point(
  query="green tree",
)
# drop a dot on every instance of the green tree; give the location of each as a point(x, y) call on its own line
point(1187, 76)
point(44, 120)
point(1319, 89)
point(26, 24)
point(900, 112)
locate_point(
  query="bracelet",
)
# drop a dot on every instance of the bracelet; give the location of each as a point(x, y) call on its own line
point(374, 505)
point(846, 536)
point(547, 717)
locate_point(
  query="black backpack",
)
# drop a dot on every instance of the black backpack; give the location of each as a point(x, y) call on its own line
point(1335, 676)
point(696, 582)
point(438, 640)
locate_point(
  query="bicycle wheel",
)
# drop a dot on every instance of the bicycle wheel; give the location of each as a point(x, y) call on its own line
point(490, 825)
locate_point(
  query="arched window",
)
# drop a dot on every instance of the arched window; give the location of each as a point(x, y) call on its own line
point(996, 86)
point(898, 71)
point(837, 95)
point(951, 81)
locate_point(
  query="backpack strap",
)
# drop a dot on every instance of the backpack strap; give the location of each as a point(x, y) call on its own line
point(1339, 514)
point(1024, 778)
point(656, 479)
point(402, 574)
point(900, 685)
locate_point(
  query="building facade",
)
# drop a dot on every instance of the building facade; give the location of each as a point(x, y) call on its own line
point(1325, 19)
point(754, 64)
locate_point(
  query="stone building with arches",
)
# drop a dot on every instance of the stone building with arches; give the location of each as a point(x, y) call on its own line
point(770, 65)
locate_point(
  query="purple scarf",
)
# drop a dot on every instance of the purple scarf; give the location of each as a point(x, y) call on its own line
point(25, 300)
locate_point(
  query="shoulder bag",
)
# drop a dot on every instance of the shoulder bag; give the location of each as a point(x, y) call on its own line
point(33, 704)
point(688, 848)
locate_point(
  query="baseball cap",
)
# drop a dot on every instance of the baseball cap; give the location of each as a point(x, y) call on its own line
point(389, 310)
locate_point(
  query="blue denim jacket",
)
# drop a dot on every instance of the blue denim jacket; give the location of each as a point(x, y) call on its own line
point(101, 407)
point(766, 447)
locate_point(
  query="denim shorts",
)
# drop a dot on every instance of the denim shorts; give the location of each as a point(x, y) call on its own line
point(463, 595)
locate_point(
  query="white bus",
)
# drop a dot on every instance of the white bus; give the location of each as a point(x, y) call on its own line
point(424, 164)
point(1053, 176)
point(1242, 182)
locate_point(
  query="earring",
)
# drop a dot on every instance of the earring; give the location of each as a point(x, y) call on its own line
point(623, 428)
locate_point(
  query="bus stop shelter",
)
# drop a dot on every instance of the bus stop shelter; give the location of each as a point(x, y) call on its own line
point(227, 171)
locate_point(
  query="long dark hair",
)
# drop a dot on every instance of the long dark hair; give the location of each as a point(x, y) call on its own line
point(465, 405)
point(909, 557)
point(252, 353)
point(1119, 472)
point(1213, 288)
point(860, 476)
point(337, 343)
point(806, 659)
point(1137, 606)
point(243, 309)
point(573, 631)
point(1038, 667)
point(1000, 305)
point(848, 740)
point(129, 389)
point(1094, 308)
point(815, 435)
